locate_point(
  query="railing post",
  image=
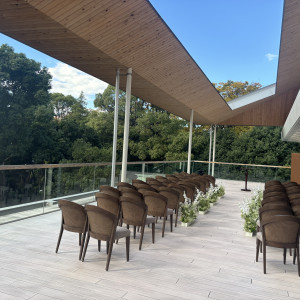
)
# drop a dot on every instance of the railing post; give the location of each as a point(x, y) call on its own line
point(190, 143)
point(126, 125)
point(114, 153)
point(214, 151)
point(209, 153)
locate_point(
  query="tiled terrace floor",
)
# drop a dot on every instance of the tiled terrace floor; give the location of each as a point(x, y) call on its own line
point(211, 259)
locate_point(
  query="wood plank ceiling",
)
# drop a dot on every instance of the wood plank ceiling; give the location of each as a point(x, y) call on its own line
point(99, 36)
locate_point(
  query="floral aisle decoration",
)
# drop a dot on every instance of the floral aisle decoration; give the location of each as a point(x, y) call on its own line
point(250, 210)
point(202, 203)
point(212, 194)
point(220, 190)
point(188, 211)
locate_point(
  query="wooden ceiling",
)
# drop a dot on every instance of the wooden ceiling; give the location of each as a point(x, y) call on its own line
point(99, 36)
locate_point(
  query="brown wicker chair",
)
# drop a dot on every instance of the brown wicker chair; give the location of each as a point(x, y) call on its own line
point(102, 226)
point(190, 189)
point(110, 190)
point(157, 207)
point(135, 213)
point(279, 232)
point(178, 188)
point(173, 199)
point(108, 202)
point(74, 220)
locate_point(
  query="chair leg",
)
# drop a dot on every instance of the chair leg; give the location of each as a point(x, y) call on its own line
point(107, 247)
point(171, 222)
point(264, 258)
point(85, 247)
point(257, 249)
point(109, 254)
point(127, 247)
point(59, 237)
point(153, 232)
point(291, 252)
point(99, 245)
point(284, 256)
point(141, 237)
point(134, 232)
point(82, 244)
point(80, 237)
point(297, 250)
point(163, 228)
point(176, 211)
point(294, 256)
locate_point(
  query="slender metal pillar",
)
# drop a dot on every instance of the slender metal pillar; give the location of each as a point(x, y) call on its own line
point(114, 153)
point(126, 125)
point(214, 151)
point(190, 142)
point(209, 153)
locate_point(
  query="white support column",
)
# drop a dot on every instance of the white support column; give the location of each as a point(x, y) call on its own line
point(214, 151)
point(114, 153)
point(126, 125)
point(190, 142)
point(209, 153)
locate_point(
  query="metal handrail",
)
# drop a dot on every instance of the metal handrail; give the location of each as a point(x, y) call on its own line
point(76, 165)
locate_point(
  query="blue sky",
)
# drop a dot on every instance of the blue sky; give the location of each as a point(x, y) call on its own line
point(229, 40)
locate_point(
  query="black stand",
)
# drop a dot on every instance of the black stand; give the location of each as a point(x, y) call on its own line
point(246, 179)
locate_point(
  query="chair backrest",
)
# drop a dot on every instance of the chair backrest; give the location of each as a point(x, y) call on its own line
point(73, 214)
point(273, 200)
point(157, 204)
point(125, 184)
point(294, 196)
point(110, 190)
point(269, 212)
point(212, 179)
point(133, 195)
point(272, 182)
point(101, 223)
point(289, 183)
point(133, 213)
point(108, 202)
point(293, 190)
point(138, 181)
point(281, 231)
point(123, 189)
point(178, 188)
point(171, 195)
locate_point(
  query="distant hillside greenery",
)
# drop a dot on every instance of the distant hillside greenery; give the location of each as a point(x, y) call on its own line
point(39, 127)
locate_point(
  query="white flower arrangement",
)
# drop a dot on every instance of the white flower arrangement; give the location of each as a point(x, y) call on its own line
point(201, 201)
point(187, 209)
point(250, 208)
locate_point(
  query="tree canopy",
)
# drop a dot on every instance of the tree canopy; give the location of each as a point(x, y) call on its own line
point(42, 127)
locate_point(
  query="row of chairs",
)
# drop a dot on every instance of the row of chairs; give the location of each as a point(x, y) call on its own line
point(279, 220)
point(137, 204)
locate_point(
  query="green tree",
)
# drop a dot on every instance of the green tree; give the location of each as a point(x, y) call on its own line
point(24, 86)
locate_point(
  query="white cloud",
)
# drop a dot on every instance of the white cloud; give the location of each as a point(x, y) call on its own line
point(271, 56)
point(70, 81)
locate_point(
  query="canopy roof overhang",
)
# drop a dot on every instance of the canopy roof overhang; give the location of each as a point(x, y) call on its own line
point(100, 36)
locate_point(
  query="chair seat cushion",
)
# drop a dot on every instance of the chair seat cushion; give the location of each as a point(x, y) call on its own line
point(259, 236)
point(122, 232)
point(169, 211)
point(150, 220)
point(258, 223)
